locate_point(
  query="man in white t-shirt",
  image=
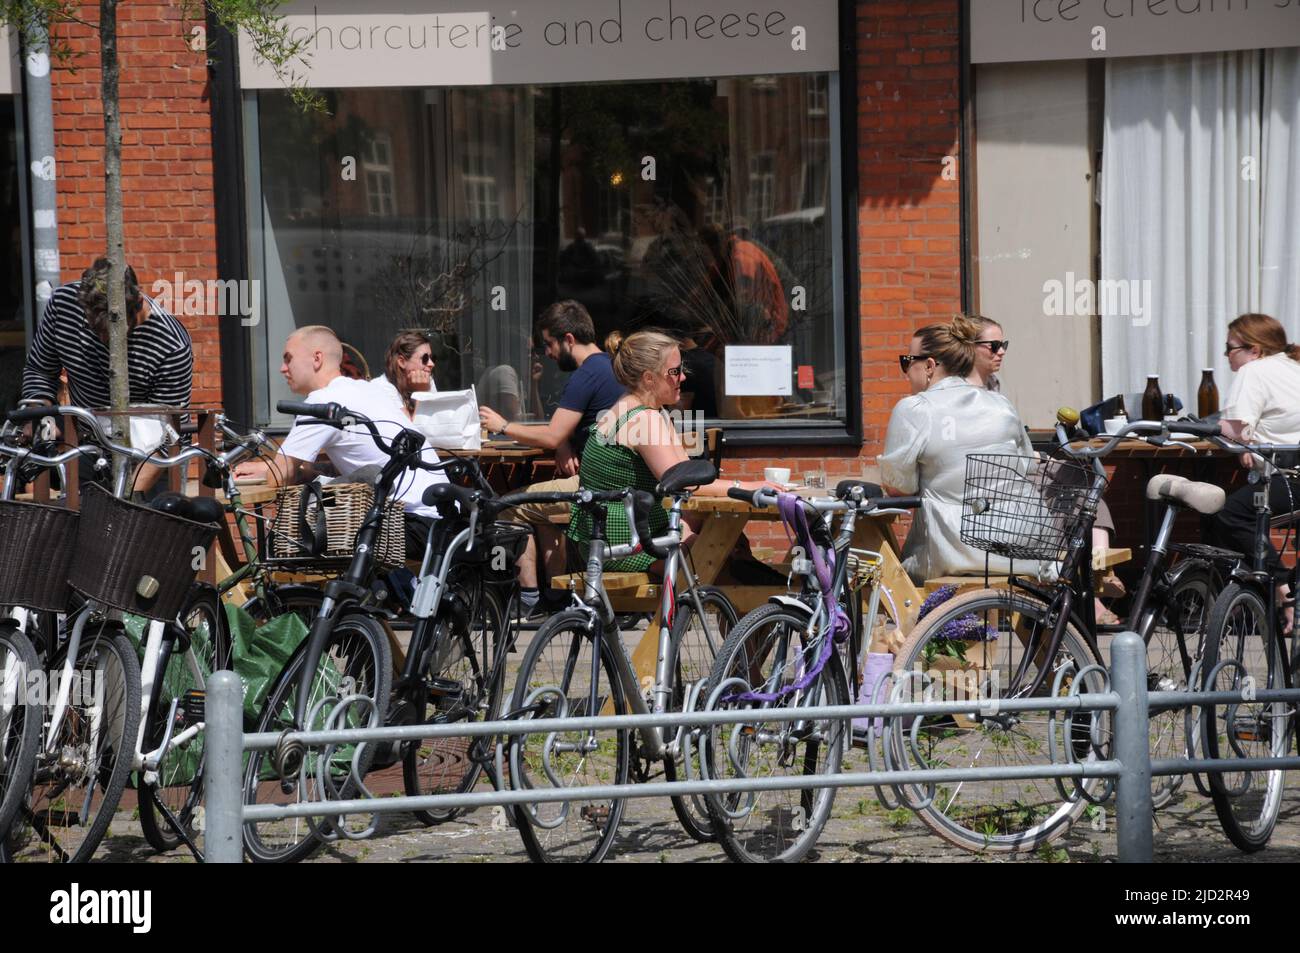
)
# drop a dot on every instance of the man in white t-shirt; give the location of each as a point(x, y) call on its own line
point(312, 356)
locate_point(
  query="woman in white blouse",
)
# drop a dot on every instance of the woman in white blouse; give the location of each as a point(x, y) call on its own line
point(409, 370)
point(930, 434)
point(1263, 406)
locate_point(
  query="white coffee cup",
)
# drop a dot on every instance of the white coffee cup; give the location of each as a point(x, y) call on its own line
point(776, 474)
point(1115, 424)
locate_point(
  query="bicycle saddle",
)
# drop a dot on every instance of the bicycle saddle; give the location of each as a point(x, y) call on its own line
point(441, 494)
point(198, 509)
point(869, 490)
point(1205, 498)
point(688, 473)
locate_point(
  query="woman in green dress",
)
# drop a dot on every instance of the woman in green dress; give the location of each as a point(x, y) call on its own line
point(634, 443)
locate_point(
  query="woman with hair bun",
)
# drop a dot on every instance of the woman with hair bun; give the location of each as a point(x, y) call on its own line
point(634, 443)
point(1263, 406)
point(930, 434)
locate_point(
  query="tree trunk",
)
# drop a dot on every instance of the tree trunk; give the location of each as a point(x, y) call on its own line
point(119, 375)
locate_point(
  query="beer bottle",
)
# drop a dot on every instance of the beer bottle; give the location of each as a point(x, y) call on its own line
point(1153, 400)
point(1207, 395)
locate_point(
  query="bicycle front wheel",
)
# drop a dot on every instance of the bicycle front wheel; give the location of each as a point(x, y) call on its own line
point(179, 789)
point(1241, 639)
point(695, 640)
point(766, 653)
point(562, 676)
point(355, 660)
point(973, 647)
point(20, 720)
point(463, 681)
point(79, 777)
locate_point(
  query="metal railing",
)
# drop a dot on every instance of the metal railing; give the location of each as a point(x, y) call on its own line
point(1131, 766)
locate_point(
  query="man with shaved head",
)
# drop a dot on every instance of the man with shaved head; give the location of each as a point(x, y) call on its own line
point(312, 363)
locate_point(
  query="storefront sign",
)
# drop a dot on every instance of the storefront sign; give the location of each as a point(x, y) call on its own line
point(455, 43)
point(1004, 31)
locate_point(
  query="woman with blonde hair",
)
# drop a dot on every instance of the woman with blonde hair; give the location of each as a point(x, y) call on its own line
point(931, 432)
point(1263, 407)
point(634, 442)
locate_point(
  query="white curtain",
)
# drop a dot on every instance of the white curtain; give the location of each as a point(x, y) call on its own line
point(1180, 209)
point(1280, 248)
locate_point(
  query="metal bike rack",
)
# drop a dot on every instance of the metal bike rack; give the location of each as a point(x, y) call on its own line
point(1131, 766)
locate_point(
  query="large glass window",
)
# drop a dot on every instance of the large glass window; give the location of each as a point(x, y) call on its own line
point(706, 208)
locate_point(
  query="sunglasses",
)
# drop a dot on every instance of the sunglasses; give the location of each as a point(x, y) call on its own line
point(674, 373)
point(426, 358)
point(905, 361)
point(1227, 351)
point(995, 346)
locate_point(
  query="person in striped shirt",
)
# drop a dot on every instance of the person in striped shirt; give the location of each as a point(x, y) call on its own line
point(73, 337)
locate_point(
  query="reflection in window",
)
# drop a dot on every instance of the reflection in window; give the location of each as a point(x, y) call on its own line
point(479, 207)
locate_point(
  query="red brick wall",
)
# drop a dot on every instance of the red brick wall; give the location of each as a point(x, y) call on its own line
point(166, 160)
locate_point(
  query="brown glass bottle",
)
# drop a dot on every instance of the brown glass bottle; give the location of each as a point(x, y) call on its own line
point(1207, 395)
point(1153, 401)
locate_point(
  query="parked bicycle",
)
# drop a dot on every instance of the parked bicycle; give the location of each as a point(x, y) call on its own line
point(113, 714)
point(577, 664)
point(784, 655)
point(1245, 650)
point(1035, 638)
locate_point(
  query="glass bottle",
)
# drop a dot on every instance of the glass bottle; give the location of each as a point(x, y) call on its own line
point(1207, 395)
point(1153, 400)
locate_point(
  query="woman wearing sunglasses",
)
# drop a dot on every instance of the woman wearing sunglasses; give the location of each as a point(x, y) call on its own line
point(634, 443)
point(991, 346)
point(930, 434)
point(409, 370)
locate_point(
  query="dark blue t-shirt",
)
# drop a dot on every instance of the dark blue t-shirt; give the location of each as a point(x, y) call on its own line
point(590, 390)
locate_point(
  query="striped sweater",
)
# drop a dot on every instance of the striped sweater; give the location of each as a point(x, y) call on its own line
point(159, 355)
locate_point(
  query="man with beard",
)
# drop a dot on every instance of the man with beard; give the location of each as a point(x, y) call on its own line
point(569, 337)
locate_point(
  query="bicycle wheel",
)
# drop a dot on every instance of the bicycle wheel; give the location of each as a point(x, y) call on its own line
point(696, 641)
point(461, 682)
point(20, 720)
point(766, 651)
point(1174, 644)
point(79, 778)
point(354, 661)
point(950, 656)
point(560, 678)
point(179, 789)
point(1241, 636)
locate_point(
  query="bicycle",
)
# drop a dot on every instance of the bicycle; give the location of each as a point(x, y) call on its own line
point(784, 655)
point(1245, 649)
point(1032, 639)
point(453, 667)
point(578, 665)
point(97, 740)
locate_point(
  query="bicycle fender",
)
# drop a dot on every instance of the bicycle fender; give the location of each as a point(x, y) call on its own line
point(792, 603)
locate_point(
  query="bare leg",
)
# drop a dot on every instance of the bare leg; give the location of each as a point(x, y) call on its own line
point(527, 565)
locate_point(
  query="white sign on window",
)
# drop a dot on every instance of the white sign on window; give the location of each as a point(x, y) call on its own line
point(758, 371)
point(1009, 31)
point(9, 47)
point(505, 42)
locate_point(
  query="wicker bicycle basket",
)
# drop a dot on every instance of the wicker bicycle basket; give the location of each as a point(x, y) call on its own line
point(318, 525)
point(135, 558)
point(1023, 507)
point(37, 543)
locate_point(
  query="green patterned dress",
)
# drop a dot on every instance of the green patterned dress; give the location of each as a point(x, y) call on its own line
point(607, 465)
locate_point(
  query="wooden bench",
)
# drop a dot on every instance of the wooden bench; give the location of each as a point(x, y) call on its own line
point(1102, 563)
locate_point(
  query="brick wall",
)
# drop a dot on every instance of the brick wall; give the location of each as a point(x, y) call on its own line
point(166, 161)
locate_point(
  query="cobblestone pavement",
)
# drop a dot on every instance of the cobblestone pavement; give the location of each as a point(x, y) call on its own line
point(1187, 831)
